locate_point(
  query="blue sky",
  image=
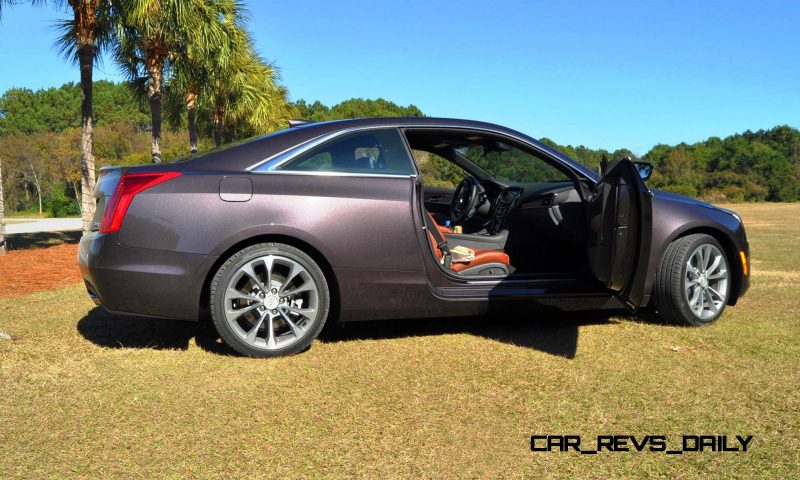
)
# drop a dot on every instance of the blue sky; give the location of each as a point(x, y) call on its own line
point(602, 74)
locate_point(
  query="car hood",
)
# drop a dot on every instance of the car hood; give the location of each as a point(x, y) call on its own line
point(670, 197)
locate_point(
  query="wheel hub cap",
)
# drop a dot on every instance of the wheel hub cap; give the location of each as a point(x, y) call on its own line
point(271, 302)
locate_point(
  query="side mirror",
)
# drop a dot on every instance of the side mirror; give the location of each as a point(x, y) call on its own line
point(645, 169)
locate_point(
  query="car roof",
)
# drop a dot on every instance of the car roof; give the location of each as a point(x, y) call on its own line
point(243, 154)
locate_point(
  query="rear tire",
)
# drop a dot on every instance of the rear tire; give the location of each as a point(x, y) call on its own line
point(269, 300)
point(693, 281)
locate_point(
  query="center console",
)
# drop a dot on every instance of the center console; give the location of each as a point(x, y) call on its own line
point(504, 203)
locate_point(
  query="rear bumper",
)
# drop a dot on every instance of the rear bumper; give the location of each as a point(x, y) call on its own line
point(142, 281)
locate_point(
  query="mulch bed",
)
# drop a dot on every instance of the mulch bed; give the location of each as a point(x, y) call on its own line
point(36, 269)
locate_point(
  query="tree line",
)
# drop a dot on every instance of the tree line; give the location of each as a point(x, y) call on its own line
point(40, 140)
point(745, 167)
point(40, 147)
point(40, 137)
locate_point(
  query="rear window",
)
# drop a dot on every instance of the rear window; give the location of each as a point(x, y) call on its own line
point(373, 151)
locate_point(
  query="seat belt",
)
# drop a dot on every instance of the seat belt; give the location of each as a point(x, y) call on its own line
point(441, 242)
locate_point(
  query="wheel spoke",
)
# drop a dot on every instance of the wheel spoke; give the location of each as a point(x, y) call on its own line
point(711, 290)
point(714, 265)
point(694, 299)
point(233, 294)
point(268, 263)
point(706, 257)
point(721, 274)
point(233, 315)
point(305, 287)
point(701, 301)
point(253, 332)
point(296, 330)
point(247, 269)
point(306, 312)
point(270, 333)
point(296, 270)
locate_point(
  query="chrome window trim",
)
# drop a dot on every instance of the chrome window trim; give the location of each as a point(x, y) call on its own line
point(275, 161)
point(318, 173)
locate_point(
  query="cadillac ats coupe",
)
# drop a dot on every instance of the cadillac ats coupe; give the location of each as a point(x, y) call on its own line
point(385, 218)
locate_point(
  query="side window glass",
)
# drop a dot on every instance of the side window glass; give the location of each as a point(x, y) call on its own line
point(373, 151)
point(507, 162)
point(437, 171)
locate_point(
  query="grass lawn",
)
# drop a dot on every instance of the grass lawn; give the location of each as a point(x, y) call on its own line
point(86, 394)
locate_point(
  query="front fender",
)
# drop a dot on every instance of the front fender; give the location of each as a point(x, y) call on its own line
point(675, 216)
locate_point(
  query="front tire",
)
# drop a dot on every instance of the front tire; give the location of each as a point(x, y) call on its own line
point(269, 300)
point(693, 281)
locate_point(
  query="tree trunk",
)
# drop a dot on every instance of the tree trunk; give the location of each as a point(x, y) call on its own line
point(37, 185)
point(77, 192)
point(191, 108)
point(219, 125)
point(84, 11)
point(154, 60)
point(2, 214)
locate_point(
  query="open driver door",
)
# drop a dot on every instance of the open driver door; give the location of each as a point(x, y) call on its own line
point(620, 228)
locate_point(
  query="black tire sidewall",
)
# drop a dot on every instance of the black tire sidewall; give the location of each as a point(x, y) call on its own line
point(226, 271)
point(670, 283)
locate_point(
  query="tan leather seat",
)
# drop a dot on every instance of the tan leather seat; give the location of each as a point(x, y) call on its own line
point(482, 257)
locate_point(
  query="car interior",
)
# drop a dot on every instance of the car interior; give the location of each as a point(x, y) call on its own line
point(520, 214)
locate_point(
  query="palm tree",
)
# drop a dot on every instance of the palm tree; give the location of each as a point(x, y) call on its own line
point(190, 83)
point(245, 93)
point(82, 39)
point(150, 33)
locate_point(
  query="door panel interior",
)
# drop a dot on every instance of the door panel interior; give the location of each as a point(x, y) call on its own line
point(547, 233)
point(620, 224)
point(437, 201)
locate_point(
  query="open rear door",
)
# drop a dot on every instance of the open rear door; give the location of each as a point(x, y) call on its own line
point(620, 227)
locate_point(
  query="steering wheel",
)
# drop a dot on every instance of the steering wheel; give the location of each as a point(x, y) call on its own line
point(465, 200)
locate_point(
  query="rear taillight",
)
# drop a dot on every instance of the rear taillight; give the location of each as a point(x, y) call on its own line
point(127, 188)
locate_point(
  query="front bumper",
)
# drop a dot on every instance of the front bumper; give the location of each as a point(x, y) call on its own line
point(142, 281)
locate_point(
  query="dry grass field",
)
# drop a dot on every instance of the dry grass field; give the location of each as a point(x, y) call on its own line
point(84, 394)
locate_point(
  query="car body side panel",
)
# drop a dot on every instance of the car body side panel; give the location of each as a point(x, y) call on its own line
point(361, 225)
point(359, 222)
point(675, 215)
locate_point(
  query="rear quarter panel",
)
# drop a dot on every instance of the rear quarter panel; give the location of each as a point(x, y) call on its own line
point(363, 226)
point(355, 222)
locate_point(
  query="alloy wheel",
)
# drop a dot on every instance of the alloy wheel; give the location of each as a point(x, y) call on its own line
point(271, 302)
point(706, 281)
